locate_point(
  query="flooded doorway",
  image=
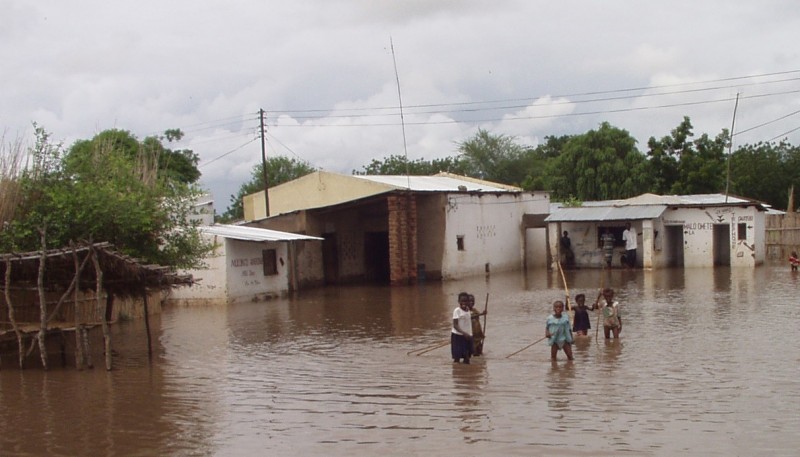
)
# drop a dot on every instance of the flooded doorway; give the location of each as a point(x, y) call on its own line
point(722, 250)
point(330, 258)
point(376, 257)
point(674, 245)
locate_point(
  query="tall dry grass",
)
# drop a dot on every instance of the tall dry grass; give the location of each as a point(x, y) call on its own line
point(13, 157)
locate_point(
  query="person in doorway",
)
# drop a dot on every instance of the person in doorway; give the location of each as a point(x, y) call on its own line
point(566, 249)
point(612, 321)
point(607, 242)
point(794, 261)
point(477, 330)
point(581, 323)
point(461, 334)
point(558, 331)
point(629, 237)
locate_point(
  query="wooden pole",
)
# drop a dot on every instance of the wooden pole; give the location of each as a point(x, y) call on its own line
point(42, 302)
point(11, 317)
point(485, 313)
point(102, 308)
point(433, 348)
point(147, 326)
point(79, 358)
point(526, 347)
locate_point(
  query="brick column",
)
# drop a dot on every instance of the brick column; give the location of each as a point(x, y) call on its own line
point(402, 239)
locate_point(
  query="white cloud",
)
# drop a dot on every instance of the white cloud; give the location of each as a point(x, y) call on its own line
point(208, 68)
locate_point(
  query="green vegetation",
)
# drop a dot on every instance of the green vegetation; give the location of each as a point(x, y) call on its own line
point(605, 164)
point(112, 188)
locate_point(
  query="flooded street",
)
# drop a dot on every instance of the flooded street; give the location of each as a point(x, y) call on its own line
point(707, 365)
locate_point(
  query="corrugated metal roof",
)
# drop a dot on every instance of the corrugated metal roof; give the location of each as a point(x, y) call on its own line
point(238, 232)
point(606, 213)
point(433, 183)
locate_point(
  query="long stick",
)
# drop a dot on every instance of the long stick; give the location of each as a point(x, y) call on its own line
point(431, 349)
point(566, 289)
point(485, 312)
point(526, 347)
point(596, 301)
point(436, 345)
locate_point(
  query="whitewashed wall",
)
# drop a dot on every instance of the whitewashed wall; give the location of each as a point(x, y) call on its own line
point(245, 271)
point(236, 273)
point(698, 229)
point(210, 283)
point(491, 226)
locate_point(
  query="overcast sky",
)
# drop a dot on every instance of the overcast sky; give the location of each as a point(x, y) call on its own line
point(324, 73)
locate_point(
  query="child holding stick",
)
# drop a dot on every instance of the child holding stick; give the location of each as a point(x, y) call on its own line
point(558, 331)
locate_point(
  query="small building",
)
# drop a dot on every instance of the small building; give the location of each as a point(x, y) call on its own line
point(673, 231)
point(399, 229)
point(247, 263)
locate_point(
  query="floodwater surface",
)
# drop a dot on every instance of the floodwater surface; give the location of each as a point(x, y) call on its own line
point(707, 364)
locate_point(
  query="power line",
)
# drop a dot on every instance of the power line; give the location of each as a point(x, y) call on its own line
point(225, 154)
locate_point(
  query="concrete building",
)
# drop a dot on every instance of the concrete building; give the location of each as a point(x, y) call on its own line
point(247, 264)
point(399, 229)
point(673, 231)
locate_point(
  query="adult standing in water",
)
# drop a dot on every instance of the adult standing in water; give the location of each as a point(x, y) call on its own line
point(566, 247)
point(461, 334)
point(629, 236)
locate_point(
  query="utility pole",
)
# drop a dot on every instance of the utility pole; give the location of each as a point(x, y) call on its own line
point(264, 164)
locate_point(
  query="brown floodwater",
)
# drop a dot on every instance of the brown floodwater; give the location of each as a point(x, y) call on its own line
point(707, 365)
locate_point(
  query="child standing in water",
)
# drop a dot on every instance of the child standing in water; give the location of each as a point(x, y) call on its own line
point(612, 321)
point(581, 322)
point(558, 331)
point(794, 261)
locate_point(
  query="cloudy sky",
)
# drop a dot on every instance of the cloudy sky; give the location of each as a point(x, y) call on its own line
point(323, 71)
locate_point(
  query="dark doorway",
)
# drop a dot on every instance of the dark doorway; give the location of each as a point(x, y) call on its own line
point(673, 245)
point(376, 256)
point(722, 243)
point(330, 258)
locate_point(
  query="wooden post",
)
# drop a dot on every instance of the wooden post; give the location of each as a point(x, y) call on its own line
point(11, 316)
point(79, 358)
point(42, 302)
point(147, 326)
point(102, 308)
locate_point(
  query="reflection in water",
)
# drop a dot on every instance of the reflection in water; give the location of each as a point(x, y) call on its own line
point(327, 373)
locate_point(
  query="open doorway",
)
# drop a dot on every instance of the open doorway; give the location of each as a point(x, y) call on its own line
point(673, 245)
point(722, 250)
point(376, 256)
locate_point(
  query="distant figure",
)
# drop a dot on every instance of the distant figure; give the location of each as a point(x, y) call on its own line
point(629, 236)
point(477, 330)
point(461, 334)
point(558, 331)
point(566, 248)
point(607, 240)
point(581, 322)
point(612, 321)
point(794, 261)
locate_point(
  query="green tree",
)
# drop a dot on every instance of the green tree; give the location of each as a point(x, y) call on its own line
point(541, 163)
point(279, 170)
point(495, 158)
point(763, 171)
point(173, 165)
point(101, 193)
point(600, 164)
point(399, 165)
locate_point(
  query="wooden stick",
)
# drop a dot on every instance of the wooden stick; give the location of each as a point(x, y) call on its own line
point(485, 309)
point(431, 349)
point(596, 302)
point(435, 346)
point(526, 347)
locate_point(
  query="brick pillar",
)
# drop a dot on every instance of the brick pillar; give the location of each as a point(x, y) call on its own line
point(402, 239)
